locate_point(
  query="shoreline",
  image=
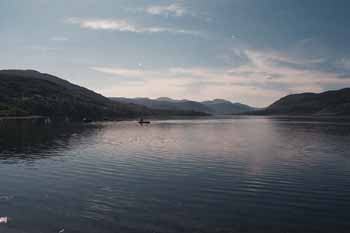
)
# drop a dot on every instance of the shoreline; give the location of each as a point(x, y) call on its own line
point(297, 117)
point(21, 117)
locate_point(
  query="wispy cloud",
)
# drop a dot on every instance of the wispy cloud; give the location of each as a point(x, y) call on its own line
point(268, 67)
point(172, 73)
point(134, 73)
point(266, 70)
point(123, 25)
point(175, 9)
point(262, 67)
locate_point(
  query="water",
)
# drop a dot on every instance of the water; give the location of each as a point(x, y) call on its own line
point(209, 175)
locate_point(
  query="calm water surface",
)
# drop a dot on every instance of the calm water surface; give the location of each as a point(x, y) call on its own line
point(208, 175)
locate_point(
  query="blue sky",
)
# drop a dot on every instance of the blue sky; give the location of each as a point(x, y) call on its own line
point(248, 51)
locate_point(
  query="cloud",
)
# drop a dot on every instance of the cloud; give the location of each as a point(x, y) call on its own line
point(123, 72)
point(175, 9)
point(266, 67)
point(173, 73)
point(281, 59)
point(123, 25)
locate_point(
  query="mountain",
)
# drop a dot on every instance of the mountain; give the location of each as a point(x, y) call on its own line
point(224, 107)
point(217, 106)
point(28, 92)
point(167, 99)
point(326, 103)
point(165, 104)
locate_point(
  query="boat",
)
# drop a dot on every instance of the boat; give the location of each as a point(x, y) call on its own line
point(87, 120)
point(142, 121)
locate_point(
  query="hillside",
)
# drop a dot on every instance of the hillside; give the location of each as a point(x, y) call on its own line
point(217, 106)
point(224, 107)
point(28, 92)
point(166, 104)
point(326, 103)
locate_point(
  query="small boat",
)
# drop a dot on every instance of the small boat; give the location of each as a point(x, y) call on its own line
point(87, 120)
point(142, 121)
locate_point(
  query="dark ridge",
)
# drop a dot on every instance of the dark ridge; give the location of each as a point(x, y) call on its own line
point(216, 107)
point(166, 104)
point(329, 103)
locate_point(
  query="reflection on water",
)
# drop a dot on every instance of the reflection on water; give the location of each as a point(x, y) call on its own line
point(209, 175)
point(26, 139)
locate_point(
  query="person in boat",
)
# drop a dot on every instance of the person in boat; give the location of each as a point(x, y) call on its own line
point(142, 121)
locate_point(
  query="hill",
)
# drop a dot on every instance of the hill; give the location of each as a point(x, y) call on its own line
point(217, 106)
point(326, 103)
point(224, 107)
point(166, 104)
point(28, 92)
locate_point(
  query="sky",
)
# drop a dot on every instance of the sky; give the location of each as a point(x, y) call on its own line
point(248, 51)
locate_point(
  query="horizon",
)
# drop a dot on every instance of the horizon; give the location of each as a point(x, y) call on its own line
point(250, 52)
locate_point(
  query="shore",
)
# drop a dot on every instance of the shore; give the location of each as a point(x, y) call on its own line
point(21, 117)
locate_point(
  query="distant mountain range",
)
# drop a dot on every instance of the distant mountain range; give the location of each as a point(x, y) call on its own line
point(28, 92)
point(224, 107)
point(216, 107)
point(328, 103)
